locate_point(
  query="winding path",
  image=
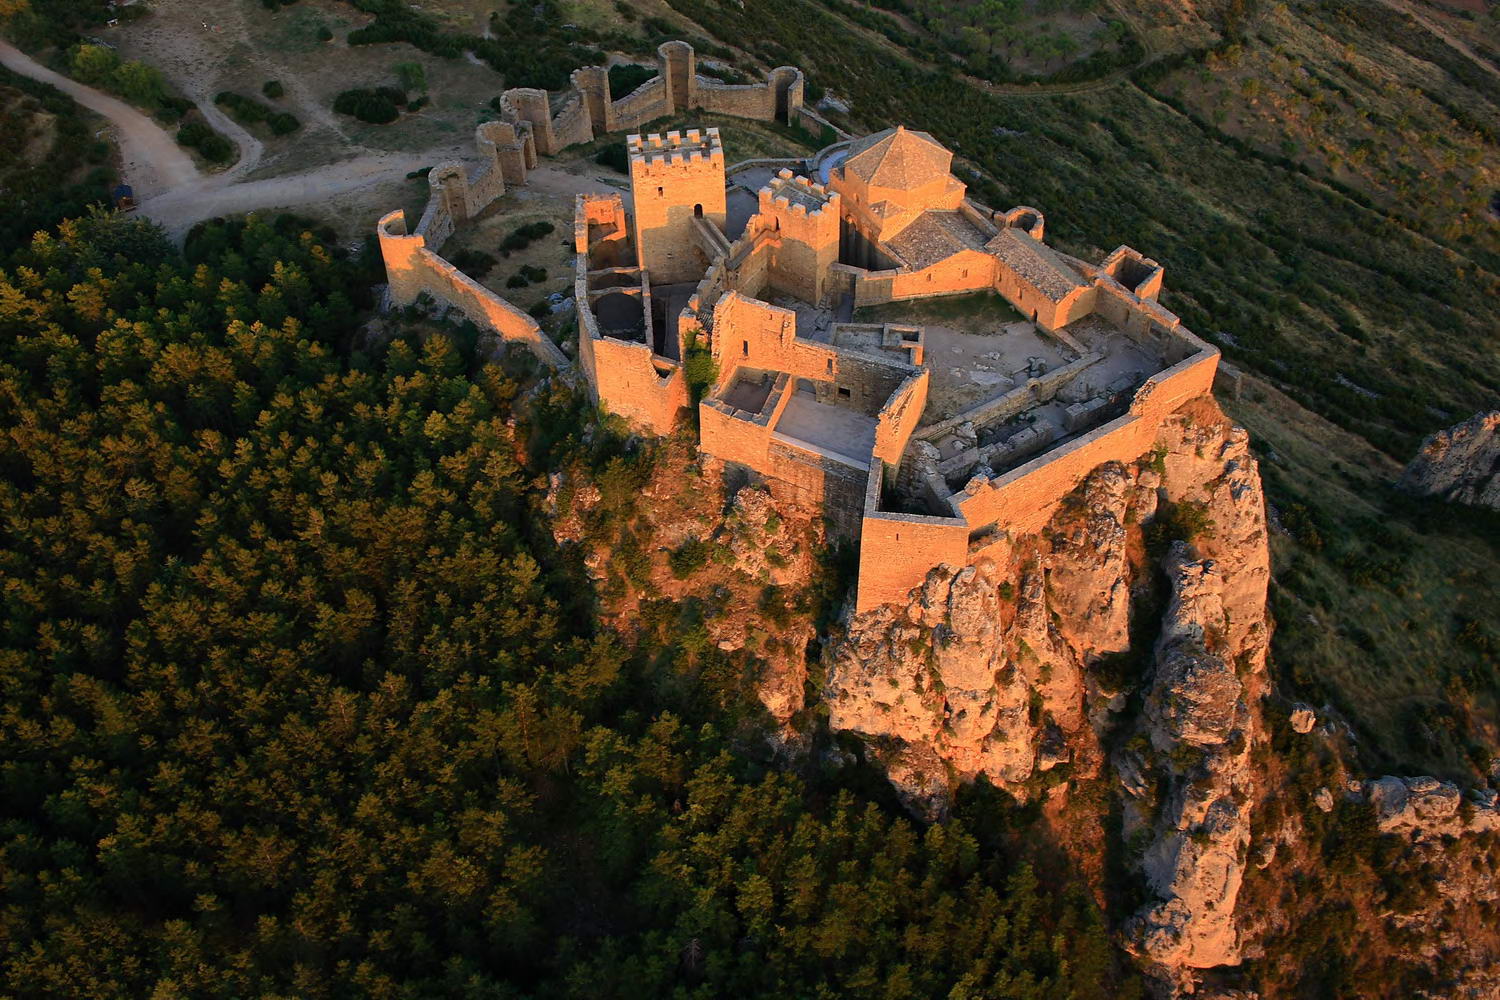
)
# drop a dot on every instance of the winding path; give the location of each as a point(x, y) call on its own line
point(153, 162)
point(171, 190)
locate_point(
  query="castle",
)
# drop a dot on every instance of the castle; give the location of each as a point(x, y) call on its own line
point(928, 445)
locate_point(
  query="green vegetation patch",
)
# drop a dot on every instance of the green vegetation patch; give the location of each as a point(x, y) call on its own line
point(249, 111)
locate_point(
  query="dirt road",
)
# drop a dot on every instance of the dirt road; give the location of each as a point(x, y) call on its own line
point(172, 191)
point(153, 162)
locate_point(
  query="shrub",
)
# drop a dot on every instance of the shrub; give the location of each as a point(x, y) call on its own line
point(378, 106)
point(283, 123)
point(534, 273)
point(516, 281)
point(474, 263)
point(524, 236)
point(245, 110)
point(325, 34)
point(273, 89)
point(690, 557)
point(212, 146)
point(541, 310)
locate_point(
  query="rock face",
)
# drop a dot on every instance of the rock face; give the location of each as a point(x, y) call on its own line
point(1429, 808)
point(982, 672)
point(1460, 464)
point(1012, 666)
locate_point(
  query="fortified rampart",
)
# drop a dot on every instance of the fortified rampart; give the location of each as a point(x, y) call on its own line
point(1023, 500)
point(829, 413)
point(588, 110)
point(412, 268)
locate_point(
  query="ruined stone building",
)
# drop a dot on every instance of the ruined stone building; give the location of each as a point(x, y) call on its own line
point(926, 444)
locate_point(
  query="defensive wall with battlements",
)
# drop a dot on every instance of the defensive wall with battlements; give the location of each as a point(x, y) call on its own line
point(835, 417)
point(588, 110)
point(857, 420)
point(412, 265)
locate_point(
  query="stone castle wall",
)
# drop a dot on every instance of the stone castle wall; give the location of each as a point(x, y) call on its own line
point(899, 417)
point(816, 482)
point(740, 437)
point(589, 110)
point(898, 550)
point(414, 268)
point(1023, 500)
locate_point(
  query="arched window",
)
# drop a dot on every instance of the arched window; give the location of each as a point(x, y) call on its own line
point(698, 211)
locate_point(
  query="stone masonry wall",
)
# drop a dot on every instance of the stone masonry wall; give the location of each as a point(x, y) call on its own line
point(740, 437)
point(1023, 500)
point(897, 550)
point(573, 124)
point(899, 417)
point(413, 269)
point(643, 104)
point(752, 100)
point(815, 482)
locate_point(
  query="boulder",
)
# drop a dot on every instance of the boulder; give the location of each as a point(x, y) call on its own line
point(1460, 464)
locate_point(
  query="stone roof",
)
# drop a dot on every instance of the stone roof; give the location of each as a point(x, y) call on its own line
point(936, 236)
point(1036, 263)
point(898, 158)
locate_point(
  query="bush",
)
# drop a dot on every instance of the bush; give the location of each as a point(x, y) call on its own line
point(690, 557)
point(524, 236)
point(212, 146)
point(516, 281)
point(411, 76)
point(325, 34)
point(474, 263)
point(273, 89)
point(283, 123)
point(532, 273)
point(378, 107)
point(245, 110)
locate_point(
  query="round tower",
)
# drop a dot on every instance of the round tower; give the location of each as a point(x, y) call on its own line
point(678, 65)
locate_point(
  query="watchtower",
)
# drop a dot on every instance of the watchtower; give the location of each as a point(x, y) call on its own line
point(677, 183)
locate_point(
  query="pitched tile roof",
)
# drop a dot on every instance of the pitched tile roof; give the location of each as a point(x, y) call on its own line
point(1036, 263)
point(898, 158)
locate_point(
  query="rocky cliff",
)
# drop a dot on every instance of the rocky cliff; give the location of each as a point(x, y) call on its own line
point(1130, 637)
point(1460, 464)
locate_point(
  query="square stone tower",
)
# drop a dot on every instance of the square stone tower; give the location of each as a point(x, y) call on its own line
point(806, 217)
point(676, 180)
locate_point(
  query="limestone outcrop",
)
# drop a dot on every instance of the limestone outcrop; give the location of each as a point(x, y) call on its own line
point(1428, 808)
point(1011, 666)
point(1460, 464)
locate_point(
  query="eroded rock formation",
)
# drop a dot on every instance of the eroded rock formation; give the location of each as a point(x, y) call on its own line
point(1025, 659)
point(1460, 464)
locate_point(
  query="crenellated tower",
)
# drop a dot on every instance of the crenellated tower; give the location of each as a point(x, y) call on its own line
point(675, 180)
